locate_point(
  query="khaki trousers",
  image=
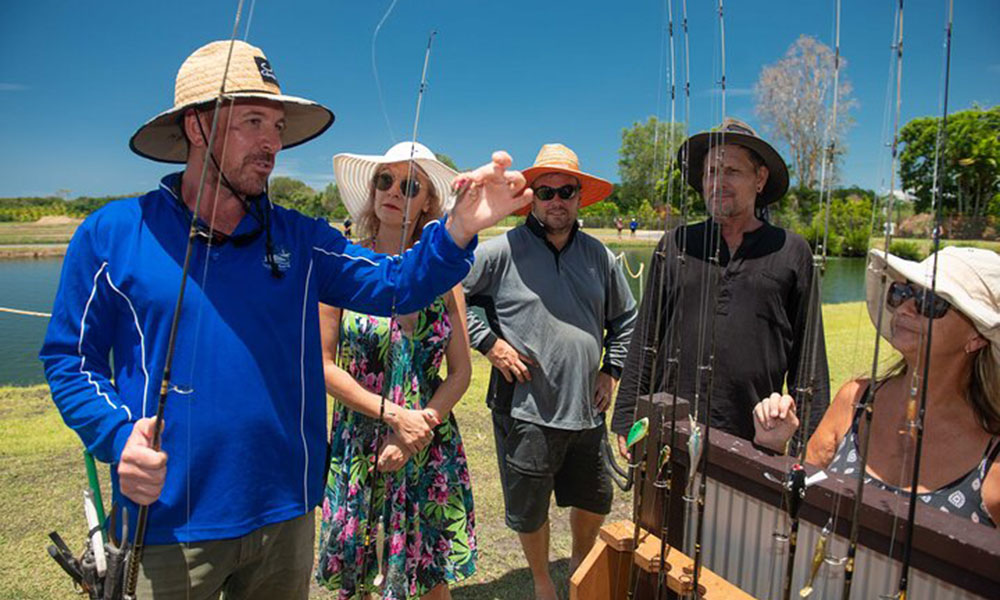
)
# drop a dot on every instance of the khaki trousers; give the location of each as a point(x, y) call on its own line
point(270, 563)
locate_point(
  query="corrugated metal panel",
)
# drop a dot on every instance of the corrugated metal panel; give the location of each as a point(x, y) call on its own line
point(739, 544)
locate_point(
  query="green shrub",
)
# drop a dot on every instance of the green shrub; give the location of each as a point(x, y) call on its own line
point(906, 249)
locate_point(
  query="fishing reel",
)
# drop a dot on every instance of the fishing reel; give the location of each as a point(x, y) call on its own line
point(99, 571)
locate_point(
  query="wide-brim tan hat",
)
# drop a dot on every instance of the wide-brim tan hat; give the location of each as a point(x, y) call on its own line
point(968, 278)
point(557, 158)
point(250, 76)
point(734, 131)
point(355, 172)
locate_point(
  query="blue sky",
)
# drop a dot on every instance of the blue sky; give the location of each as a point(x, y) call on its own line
point(79, 77)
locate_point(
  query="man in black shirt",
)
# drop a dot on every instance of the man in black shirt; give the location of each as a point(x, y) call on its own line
point(749, 309)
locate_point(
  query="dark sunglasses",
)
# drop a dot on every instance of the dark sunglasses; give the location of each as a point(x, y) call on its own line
point(546, 193)
point(927, 303)
point(409, 187)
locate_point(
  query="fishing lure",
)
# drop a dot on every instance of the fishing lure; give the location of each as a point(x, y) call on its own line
point(640, 429)
point(819, 553)
point(694, 446)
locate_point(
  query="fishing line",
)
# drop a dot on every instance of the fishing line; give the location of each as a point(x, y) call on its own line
point(378, 84)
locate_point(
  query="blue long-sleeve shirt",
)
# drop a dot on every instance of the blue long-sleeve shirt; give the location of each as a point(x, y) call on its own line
point(245, 421)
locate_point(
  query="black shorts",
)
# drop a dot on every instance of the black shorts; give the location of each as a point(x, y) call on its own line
point(534, 460)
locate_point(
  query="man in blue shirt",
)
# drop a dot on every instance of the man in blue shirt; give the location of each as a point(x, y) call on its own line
point(245, 419)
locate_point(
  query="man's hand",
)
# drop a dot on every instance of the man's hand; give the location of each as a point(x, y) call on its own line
point(774, 421)
point(623, 448)
point(511, 363)
point(393, 455)
point(603, 390)
point(414, 429)
point(485, 196)
point(142, 470)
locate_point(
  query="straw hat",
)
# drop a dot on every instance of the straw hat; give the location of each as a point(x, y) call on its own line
point(198, 82)
point(968, 278)
point(557, 158)
point(354, 174)
point(734, 131)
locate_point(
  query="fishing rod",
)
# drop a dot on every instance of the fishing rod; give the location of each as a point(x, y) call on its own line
point(795, 484)
point(650, 347)
point(868, 399)
point(138, 545)
point(664, 464)
point(698, 442)
point(380, 425)
point(942, 136)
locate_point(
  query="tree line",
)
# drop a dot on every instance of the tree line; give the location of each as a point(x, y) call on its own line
point(794, 110)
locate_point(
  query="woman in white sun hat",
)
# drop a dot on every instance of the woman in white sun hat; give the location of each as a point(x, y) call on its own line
point(959, 471)
point(426, 504)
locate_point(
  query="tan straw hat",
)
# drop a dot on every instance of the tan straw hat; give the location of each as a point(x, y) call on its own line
point(968, 278)
point(734, 131)
point(355, 172)
point(198, 82)
point(557, 158)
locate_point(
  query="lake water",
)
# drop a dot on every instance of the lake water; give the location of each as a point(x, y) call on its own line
point(25, 285)
point(844, 280)
point(31, 285)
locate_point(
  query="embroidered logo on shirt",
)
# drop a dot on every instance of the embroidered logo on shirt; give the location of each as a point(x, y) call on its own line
point(282, 258)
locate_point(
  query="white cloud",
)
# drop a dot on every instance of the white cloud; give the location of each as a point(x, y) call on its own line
point(13, 87)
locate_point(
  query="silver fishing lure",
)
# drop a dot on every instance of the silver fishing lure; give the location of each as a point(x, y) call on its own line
point(694, 446)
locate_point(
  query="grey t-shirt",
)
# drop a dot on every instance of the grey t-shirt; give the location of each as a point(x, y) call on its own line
point(561, 308)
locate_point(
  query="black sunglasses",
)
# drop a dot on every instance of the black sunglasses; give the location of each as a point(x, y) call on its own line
point(409, 187)
point(928, 304)
point(546, 193)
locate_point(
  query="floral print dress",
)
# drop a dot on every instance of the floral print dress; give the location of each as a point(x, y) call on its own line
point(425, 507)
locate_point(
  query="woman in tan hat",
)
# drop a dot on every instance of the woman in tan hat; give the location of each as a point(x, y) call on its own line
point(959, 472)
point(426, 504)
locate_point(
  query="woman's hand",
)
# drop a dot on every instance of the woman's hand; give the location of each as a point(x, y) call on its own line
point(413, 429)
point(774, 421)
point(393, 456)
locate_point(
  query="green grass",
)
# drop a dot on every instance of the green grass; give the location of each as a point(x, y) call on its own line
point(42, 479)
point(35, 233)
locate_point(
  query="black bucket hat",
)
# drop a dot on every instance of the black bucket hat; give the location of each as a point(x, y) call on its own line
point(734, 131)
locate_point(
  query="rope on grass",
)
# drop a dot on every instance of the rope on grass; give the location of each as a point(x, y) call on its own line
point(29, 313)
point(624, 259)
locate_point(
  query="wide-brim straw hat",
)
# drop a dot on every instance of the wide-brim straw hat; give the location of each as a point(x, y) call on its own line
point(250, 76)
point(557, 158)
point(734, 131)
point(968, 278)
point(355, 172)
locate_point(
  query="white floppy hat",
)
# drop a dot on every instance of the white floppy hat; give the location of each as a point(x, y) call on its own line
point(968, 278)
point(199, 80)
point(354, 174)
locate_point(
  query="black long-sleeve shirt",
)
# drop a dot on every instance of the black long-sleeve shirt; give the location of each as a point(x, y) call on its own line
point(760, 298)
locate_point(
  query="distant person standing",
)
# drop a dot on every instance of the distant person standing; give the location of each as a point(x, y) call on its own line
point(347, 228)
point(633, 225)
point(619, 225)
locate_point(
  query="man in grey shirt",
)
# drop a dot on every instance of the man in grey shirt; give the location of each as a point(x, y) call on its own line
point(556, 302)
